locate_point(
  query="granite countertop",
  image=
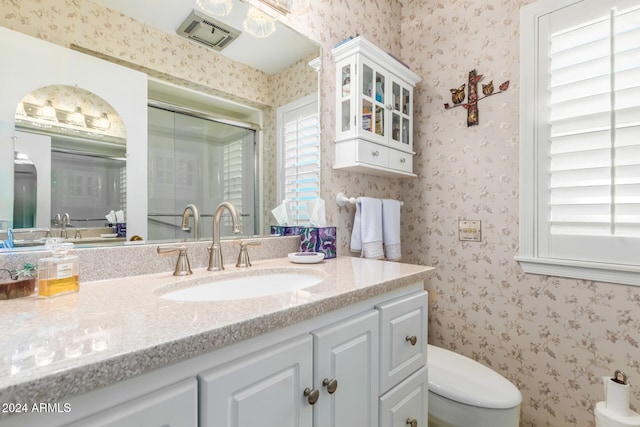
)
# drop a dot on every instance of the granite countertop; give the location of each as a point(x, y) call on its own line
point(118, 328)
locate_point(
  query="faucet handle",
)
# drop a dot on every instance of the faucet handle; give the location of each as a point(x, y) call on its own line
point(182, 265)
point(243, 256)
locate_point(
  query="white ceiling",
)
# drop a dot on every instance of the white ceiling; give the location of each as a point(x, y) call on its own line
point(271, 55)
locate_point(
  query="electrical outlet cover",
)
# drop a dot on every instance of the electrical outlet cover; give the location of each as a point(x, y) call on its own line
point(470, 230)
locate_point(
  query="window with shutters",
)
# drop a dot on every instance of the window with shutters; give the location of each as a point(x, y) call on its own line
point(580, 139)
point(299, 157)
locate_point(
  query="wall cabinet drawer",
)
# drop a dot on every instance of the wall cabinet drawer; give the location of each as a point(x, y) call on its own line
point(172, 406)
point(403, 338)
point(373, 154)
point(401, 160)
point(406, 404)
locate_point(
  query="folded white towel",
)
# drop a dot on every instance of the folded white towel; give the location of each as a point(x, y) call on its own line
point(366, 236)
point(391, 229)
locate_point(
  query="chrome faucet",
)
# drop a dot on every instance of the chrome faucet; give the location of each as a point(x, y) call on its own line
point(191, 209)
point(215, 252)
point(66, 220)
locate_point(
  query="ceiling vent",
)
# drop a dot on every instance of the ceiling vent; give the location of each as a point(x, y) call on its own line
point(207, 31)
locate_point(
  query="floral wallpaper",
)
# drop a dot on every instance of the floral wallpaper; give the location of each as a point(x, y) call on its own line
point(554, 338)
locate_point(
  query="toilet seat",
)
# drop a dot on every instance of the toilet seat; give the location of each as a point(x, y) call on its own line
point(466, 381)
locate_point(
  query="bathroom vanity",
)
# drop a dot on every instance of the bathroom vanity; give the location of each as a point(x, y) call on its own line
point(348, 350)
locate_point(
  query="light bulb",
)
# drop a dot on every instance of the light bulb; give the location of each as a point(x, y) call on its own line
point(216, 7)
point(258, 24)
point(77, 118)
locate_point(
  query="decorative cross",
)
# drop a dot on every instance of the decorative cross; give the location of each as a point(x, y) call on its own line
point(458, 95)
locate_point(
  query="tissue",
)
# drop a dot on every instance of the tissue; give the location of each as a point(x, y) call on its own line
point(615, 411)
point(317, 214)
point(282, 213)
point(111, 217)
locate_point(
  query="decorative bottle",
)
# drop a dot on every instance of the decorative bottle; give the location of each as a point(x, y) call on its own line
point(60, 273)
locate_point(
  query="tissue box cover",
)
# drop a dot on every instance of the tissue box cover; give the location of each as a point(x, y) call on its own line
point(312, 239)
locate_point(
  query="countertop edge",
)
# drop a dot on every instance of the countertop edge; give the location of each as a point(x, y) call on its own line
point(90, 376)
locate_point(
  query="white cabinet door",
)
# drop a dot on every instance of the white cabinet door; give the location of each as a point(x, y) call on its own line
point(173, 406)
point(346, 372)
point(265, 389)
point(406, 404)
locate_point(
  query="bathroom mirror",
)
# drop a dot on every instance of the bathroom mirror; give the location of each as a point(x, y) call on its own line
point(168, 17)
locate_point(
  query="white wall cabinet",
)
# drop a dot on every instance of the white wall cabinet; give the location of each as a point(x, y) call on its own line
point(374, 110)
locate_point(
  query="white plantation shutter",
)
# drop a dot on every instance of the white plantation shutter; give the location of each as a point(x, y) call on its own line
point(595, 127)
point(584, 133)
point(300, 157)
point(232, 180)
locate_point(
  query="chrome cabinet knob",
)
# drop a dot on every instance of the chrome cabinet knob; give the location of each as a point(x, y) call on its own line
point(412, 422)
point(375, 153)
point(403, 160)
point(331, 385)
point(412, 339)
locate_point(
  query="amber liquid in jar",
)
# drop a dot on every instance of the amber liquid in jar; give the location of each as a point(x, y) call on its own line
point(53, 287)
point(59, 274)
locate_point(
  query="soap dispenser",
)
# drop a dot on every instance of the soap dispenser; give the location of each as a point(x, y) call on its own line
point(58, 274)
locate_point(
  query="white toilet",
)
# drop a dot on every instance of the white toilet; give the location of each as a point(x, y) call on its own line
point(465, 393)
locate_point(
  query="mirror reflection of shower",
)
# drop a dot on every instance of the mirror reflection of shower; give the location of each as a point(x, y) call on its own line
point(25, 191)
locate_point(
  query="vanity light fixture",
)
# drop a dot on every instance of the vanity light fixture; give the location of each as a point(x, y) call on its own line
point(259, 24)
point(216, 7)
point(44, 116)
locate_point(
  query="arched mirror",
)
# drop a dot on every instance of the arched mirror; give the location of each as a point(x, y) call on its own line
point(78, 143)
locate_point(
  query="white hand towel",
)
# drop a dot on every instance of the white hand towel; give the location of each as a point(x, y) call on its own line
point(391, 229)
point(367, 228)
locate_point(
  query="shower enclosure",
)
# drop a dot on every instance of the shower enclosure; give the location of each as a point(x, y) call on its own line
point(198, 160)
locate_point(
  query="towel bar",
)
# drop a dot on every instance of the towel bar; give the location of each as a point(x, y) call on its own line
point(342, 199)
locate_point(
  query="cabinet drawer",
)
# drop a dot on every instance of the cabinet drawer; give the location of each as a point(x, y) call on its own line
point(403, 338)
point(401, 160)
point(173, 406)
point(373, 154)
point(406, 402)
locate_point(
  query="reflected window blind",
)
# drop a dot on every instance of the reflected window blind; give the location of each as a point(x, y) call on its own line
point(232, 180)
point(301, 164)
point(594, 155)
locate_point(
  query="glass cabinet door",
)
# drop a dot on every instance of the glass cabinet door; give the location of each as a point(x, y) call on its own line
point(346, 98)
point(373, 101)
point(400, 114)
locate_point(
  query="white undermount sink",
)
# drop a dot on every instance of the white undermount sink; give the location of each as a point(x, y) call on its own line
point(252, 284)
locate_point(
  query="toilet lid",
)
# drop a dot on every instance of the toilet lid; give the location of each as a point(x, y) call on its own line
point(464, 380)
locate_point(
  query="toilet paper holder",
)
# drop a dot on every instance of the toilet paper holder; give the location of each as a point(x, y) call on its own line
point(619, 377)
